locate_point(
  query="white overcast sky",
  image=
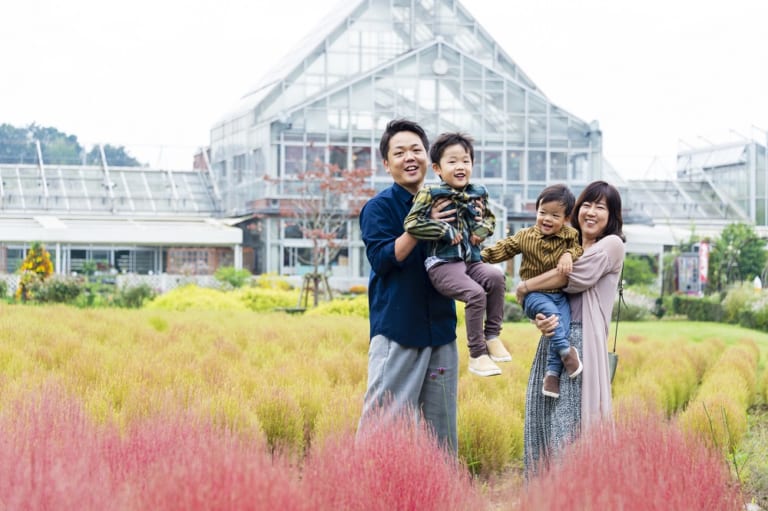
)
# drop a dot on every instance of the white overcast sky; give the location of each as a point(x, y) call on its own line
point(154, 75)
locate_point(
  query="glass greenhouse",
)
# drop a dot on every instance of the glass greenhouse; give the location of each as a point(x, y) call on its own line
point(372, 61)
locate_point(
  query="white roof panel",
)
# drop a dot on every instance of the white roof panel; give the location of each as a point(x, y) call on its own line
point(144, 231)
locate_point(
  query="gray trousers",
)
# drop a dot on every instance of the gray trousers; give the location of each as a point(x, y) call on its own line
point(422, 381)
point(481, 287)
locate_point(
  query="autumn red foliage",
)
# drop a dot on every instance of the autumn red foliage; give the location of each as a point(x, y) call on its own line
point(53, 456)
point(643, 463)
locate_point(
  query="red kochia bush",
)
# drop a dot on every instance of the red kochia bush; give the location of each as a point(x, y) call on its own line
point(645, 464)
point(51, 455)
point(180, 462)
point(395, 464)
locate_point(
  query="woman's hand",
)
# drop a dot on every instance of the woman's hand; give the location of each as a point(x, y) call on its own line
point(545, 324)
point(439, 213)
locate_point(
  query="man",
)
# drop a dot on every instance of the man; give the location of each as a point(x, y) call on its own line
point(412, 358)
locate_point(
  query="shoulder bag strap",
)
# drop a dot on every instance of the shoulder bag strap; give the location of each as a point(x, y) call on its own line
point(618, 307)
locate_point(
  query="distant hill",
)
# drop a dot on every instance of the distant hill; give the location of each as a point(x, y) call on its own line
point(17, 145)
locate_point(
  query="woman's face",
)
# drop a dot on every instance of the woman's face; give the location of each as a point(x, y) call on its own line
point(593, 218)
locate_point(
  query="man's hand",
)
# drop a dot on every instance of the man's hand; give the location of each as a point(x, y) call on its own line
point(440, 213)
point(475, 239)
point(480, 208)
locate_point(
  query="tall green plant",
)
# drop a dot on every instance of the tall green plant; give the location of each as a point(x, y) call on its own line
point(232, 277)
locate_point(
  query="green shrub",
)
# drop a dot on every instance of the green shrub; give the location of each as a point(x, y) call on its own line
point(263, 299)
point(487, 442)
point(630, 312)
point(357, 306)
point(192, 297)
point(272, 281)
point(3, 289)
point(707, 308)
point(231, 277)
point(134, 297)
point(56, 289)
point(513, 312)
point(736, 301)
point(638, 270)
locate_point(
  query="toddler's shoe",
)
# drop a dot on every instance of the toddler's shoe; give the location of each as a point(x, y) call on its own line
point(551, 386)
point(572, 363)
point(483, 366)
point(497, 351)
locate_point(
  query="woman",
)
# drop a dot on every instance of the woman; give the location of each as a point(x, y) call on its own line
point(551, 423)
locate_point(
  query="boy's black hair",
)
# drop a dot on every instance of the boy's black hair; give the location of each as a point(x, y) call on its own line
point(396, 126)
point(449, 139)
point(557, 193)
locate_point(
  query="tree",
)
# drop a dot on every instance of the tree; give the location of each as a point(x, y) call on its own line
point(56, 147)
point(116, 157)
point(36, 267)
point(328, 197)
point(17, 145)
point(638, 270)
point(737, 255)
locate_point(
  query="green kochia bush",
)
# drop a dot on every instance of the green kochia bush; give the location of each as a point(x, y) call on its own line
point(357, 306)
point(261, 299)
point(192, 297)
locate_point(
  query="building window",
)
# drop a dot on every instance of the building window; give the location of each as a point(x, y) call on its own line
point(579, 164)
point(558, 166)
point(338, 155)
point(491, 164)
point(315, 157)
point(361, 158)
point(77, 258)
point(514, 164)
point(190, 261)
point(135, 261)
point(259, 165)
point(537, 166)
point(13, 259)
point(297, 261)
point(294, 160)
point(292, 230)
point(238, 167)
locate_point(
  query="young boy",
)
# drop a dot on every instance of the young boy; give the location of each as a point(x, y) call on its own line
point(453, 265)
point(548, 244)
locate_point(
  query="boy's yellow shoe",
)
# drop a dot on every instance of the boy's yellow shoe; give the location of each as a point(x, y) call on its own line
point(483, 366)
point(497, 351)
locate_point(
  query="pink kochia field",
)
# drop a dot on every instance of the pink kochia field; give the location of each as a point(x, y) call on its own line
point(52, 456)
point(148, 410)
